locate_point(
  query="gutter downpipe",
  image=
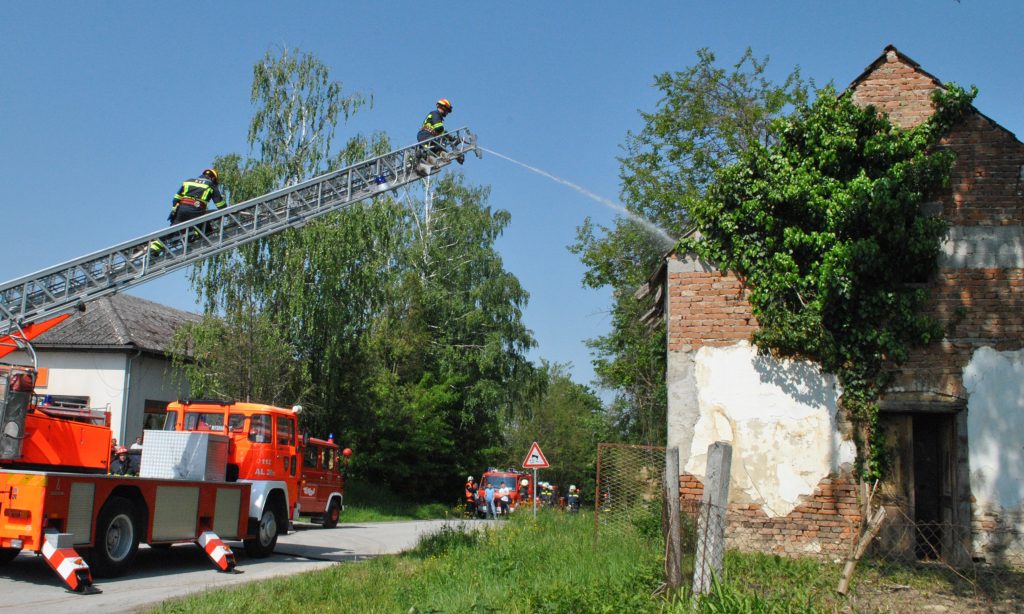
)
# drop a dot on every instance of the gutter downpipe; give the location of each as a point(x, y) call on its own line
point(127, 394)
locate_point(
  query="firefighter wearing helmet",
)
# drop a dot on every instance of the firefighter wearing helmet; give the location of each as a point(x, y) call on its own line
point(121, 465)
point(191, 201)
point(470, 496)
point(433, 126)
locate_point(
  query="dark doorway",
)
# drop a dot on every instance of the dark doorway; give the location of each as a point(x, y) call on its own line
point(932, 484)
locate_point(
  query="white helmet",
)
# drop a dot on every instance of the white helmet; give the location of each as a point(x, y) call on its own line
point(469, 478)
point(524, 482)
point(572, 487)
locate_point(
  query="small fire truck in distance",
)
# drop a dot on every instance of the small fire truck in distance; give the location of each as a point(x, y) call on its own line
point(497, 479)
point(262, 451)
point(322, 489)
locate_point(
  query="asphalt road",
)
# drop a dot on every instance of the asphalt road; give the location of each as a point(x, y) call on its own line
point(28, 585)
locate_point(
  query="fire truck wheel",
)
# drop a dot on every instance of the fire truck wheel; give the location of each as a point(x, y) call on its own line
point(332, 515)
point(7, 554)
point(266, 536)
point(117, 538)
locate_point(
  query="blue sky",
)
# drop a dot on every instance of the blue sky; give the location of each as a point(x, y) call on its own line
point(106, 106)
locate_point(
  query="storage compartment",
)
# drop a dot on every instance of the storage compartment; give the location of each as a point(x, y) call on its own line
point(184, 456)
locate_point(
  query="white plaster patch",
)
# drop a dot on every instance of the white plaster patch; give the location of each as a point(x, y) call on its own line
point(780, 417)
point(995, 425)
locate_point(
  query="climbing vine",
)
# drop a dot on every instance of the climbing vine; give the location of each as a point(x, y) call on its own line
point(825, 228)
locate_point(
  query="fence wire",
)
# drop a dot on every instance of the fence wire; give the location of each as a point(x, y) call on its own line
point(907, 551)
point(630, 489)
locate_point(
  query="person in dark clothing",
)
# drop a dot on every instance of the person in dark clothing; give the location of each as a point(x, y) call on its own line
point(121, 465)
point(433, 126)
point(191, 202)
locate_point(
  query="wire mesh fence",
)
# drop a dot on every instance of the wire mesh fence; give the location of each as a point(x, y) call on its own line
point(630, 490)
point(907, 552)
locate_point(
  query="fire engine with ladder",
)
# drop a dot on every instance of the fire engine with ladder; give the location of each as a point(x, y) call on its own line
point(219, 470)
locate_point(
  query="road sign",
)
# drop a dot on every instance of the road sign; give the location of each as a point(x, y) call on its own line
point(535, 458)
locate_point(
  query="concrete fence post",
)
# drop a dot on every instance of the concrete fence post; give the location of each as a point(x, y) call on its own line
point(673, 536)
point(711, 520)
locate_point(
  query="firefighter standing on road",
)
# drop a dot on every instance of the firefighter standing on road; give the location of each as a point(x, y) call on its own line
point(470, 496)
point(191, 201)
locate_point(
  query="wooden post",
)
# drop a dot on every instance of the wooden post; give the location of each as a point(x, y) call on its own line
point(673, 538)
point(711, 520)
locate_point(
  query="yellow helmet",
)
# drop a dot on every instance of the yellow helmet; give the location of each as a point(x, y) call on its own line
point(444, 104)
point(212, 174)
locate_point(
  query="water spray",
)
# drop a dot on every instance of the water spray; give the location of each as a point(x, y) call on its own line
point(649, 226)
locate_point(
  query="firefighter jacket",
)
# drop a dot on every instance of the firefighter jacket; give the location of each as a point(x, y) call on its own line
point(199, 192)
point(434, 123)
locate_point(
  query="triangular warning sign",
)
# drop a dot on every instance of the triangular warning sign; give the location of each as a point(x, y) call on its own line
point(535, 458)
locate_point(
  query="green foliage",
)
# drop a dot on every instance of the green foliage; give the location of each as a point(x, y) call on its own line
point(298, 107)
point(706, 117)
point(826, 229)
point(373, 502)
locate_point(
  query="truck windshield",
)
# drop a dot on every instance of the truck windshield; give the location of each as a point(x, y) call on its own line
point(204, 421)
point(497, 481)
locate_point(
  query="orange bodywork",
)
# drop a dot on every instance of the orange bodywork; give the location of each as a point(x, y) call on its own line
point(33, 501)
point(65, 443)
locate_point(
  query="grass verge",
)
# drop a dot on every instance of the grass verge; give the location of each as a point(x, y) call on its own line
point(552, 565)
point(372, 503)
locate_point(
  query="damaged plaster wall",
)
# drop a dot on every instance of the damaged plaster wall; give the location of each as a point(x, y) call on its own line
point(780, 417)
point(995, 422)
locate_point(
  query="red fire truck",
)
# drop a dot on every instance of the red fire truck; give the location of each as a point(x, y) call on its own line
point(322, 489)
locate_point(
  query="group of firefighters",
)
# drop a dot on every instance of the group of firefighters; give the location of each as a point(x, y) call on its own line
point(196, 194)
point(498, 500)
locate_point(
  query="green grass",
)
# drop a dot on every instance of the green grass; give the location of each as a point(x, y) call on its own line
point(552, 565)
point(372, 503)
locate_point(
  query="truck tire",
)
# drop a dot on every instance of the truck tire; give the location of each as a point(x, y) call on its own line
point(117, 538)
point(332, 515)
point(7, 555)
point(265, 541)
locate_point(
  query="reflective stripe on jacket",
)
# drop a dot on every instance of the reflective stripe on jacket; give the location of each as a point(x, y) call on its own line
point(434, 123)
point(201, 190)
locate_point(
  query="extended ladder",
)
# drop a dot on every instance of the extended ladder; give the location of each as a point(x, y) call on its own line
point(66, 286)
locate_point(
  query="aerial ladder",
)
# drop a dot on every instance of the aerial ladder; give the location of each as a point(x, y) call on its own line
point(29, 303)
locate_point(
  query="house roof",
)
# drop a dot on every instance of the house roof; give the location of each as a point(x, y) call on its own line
point(118, 321)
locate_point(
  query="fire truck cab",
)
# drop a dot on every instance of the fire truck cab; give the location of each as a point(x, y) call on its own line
point(322, 489)
point(263, 450)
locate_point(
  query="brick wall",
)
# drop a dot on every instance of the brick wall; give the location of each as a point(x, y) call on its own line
point(824, 524)
point(707, 308)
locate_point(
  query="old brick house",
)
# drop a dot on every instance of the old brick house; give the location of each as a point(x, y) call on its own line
point(955, 416)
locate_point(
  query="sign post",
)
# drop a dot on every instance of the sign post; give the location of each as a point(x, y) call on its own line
point(535, 460)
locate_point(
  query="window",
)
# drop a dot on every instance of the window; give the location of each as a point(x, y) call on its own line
point(236, 423)
point(285, 432)
point(310, 457)
point(259, 428)
point(153, 418)
point(170, 420)
point(204, 421)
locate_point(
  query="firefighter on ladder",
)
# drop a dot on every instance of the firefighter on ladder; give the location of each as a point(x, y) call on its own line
point(191, 201)
point(433, 126)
